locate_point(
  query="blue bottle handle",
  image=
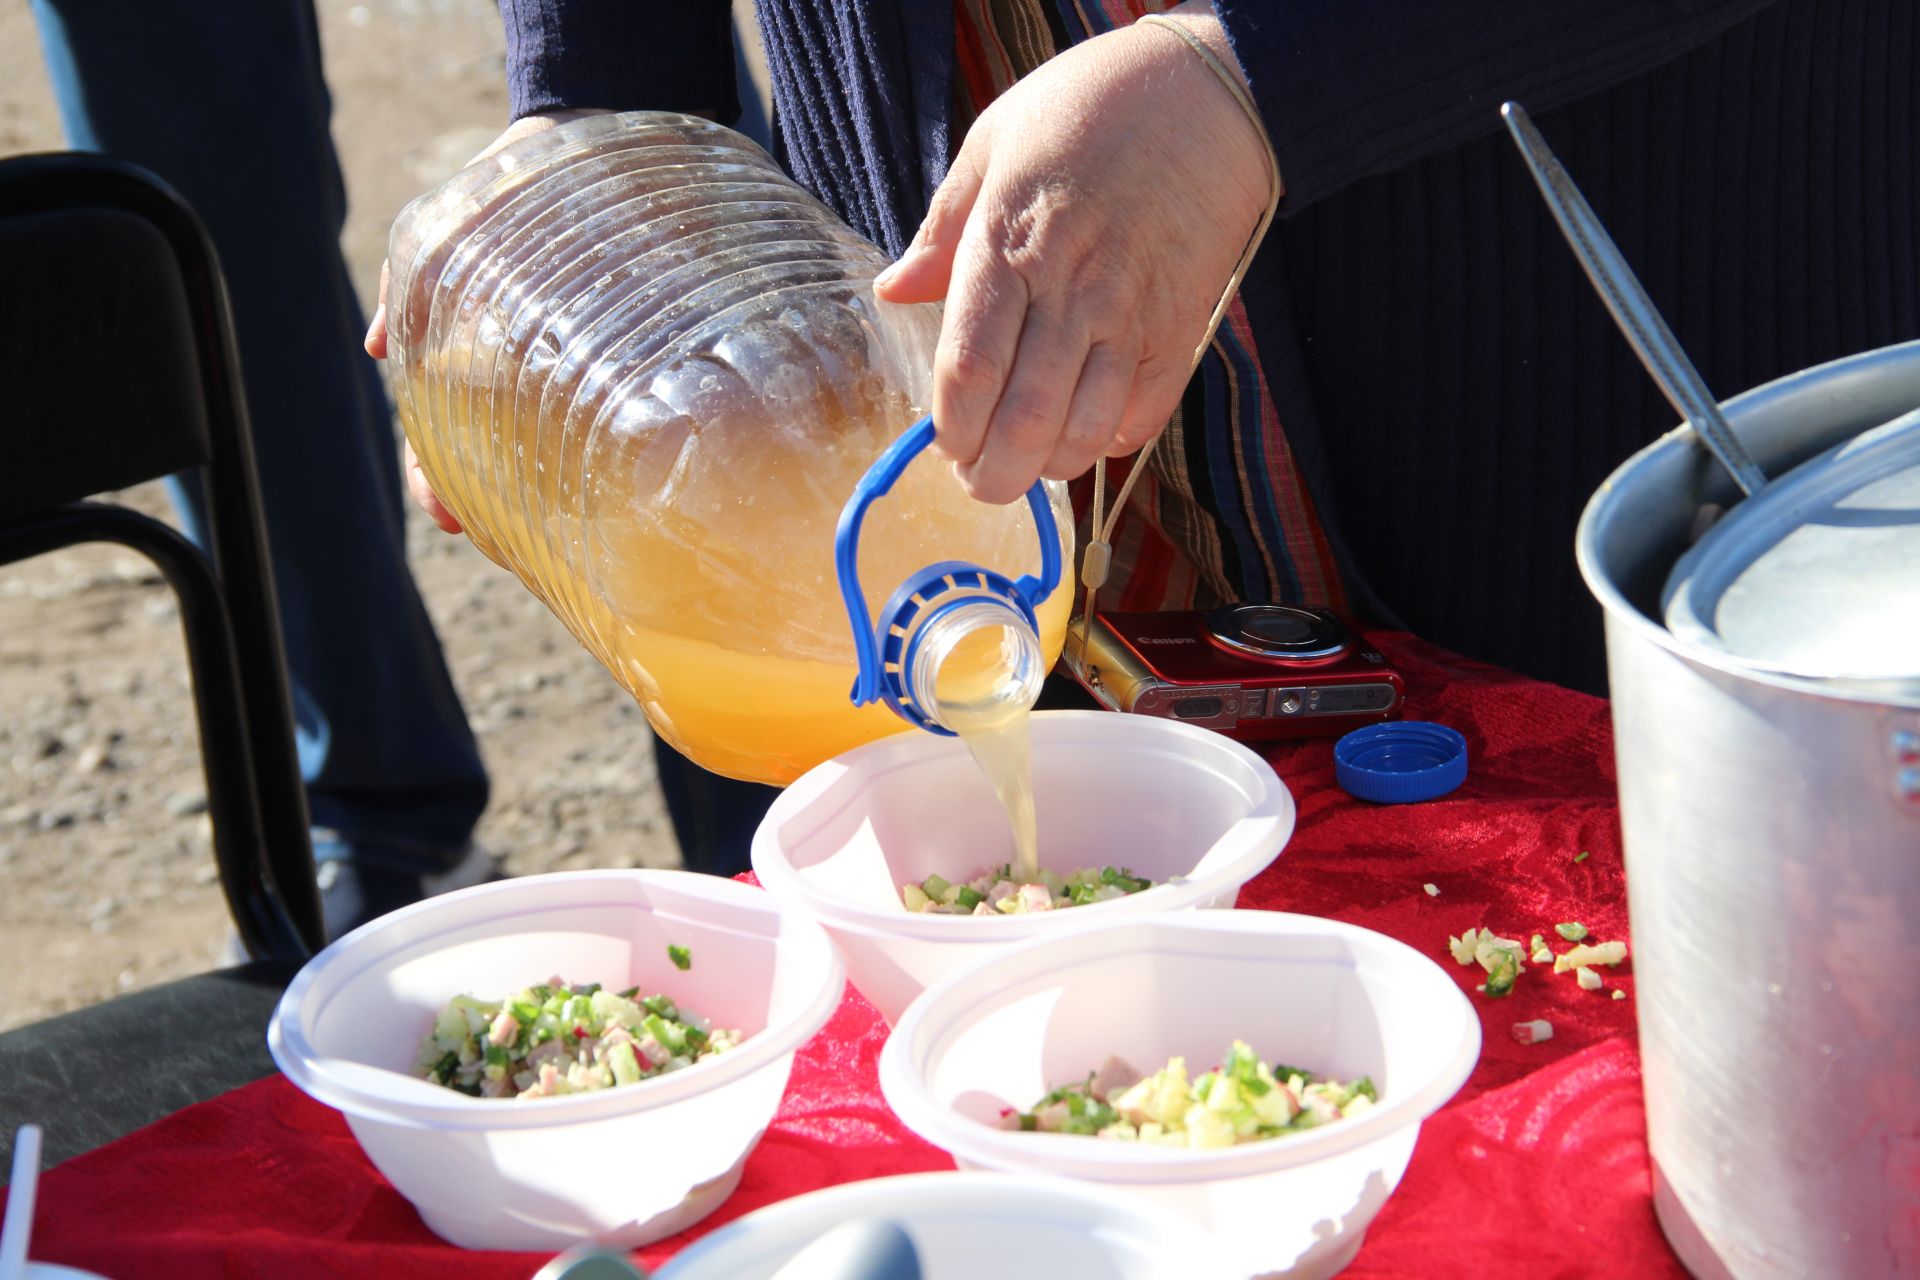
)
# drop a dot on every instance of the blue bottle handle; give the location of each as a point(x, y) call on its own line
point(879, 479)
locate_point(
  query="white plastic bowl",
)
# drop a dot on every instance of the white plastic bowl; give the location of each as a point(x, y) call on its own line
point(1330, 997)
point(626, 1166)
point(1195, 812)
point(968, 1225)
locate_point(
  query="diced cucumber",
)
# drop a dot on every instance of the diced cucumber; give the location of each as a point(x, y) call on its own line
point(626, 1067)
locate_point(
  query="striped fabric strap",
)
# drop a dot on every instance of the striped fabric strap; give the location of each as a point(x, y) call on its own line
point(1098, 557)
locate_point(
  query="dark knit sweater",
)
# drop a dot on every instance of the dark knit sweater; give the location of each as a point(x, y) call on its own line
point(1451, 389)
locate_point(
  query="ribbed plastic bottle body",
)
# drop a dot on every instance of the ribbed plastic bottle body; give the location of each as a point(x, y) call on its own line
point(644, 369)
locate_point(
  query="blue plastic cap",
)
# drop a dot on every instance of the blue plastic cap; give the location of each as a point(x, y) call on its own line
point(1401, 762)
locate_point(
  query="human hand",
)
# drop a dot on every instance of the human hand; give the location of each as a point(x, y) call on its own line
point(376, 339)
point(1081, 240)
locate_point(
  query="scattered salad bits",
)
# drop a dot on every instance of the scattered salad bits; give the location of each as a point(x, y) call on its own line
point(681, 957)
point(1533, 1032)
point(1432, 890)
point(996, 892)
point(554, 1039)
point(1607, 953)
point(1618, 994)
point(1581, 856)
point(1502, 957)
point(1243, 1100)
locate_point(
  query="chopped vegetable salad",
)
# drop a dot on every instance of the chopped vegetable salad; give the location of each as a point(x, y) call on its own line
point(1243, 1100)
point(996, 892)
point(554, 1039)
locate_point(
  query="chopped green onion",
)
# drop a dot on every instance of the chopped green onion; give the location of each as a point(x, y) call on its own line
point(1582, 856)
point(968, 897)
point(1501, 973)
point(630, 993)
point(681, 957)
point(1574, 932)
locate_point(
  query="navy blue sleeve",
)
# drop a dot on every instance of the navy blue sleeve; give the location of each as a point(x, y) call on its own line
point(626, 55)
point(1349, 88)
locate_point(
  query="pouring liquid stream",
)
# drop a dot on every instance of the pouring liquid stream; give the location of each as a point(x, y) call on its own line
point(989, 712)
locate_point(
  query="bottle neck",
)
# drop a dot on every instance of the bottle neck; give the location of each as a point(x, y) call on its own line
point(974, 664)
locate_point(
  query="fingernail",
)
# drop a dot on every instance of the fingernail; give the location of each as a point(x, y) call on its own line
point(379, 318)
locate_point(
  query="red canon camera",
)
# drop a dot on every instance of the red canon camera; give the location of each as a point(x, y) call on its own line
point(1252, 671)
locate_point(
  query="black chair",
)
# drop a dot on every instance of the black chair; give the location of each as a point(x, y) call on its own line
point(117, 352)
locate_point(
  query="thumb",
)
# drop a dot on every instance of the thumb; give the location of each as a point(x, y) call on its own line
point(923, 271)
point(376, 339)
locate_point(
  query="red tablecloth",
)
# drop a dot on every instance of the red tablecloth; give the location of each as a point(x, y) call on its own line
point(1538, 1168)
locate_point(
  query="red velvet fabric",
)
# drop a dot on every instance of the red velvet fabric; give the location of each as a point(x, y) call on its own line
point(1538, 1168)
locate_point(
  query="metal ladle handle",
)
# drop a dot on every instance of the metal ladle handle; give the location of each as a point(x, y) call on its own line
point(1632, 309)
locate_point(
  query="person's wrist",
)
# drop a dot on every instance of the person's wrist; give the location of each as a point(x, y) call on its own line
point(1198, 18)
point(1219, 92)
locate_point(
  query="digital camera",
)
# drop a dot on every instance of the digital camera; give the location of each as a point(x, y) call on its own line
point(1251, 671)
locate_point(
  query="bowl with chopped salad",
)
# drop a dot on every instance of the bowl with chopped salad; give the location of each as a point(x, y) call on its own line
point(901, 850)
point(561, 1058)
point(1263, 1074)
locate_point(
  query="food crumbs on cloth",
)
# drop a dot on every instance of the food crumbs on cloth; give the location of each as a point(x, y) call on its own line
point(1619, 994)
point(1433, 890)
point(1533, 1032)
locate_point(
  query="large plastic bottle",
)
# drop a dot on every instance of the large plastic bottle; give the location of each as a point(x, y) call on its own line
point(645, 370)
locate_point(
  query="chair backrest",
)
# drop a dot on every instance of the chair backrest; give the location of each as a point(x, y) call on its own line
point(117, 353)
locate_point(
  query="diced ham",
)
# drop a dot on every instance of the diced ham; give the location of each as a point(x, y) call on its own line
point(504, 1029)
point(1036, 897)
point(1115, 1076)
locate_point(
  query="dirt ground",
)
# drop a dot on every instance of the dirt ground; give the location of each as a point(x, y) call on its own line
point(106, 875)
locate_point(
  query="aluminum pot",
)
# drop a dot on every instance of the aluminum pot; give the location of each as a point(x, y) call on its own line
point(1772, 836)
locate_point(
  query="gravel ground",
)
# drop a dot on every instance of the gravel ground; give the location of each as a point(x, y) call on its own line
point(106, 875)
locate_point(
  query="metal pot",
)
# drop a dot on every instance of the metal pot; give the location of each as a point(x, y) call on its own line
point(1772, 836)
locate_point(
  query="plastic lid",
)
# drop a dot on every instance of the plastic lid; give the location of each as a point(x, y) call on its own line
point(1815, 575)
point(1401, 762)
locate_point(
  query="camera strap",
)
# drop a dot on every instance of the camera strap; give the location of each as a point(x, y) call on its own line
point(1098, 557)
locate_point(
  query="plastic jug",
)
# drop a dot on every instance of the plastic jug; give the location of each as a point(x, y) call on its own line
point(645, 370)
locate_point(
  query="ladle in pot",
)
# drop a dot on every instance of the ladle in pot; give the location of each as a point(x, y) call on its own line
point(1659, 351)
